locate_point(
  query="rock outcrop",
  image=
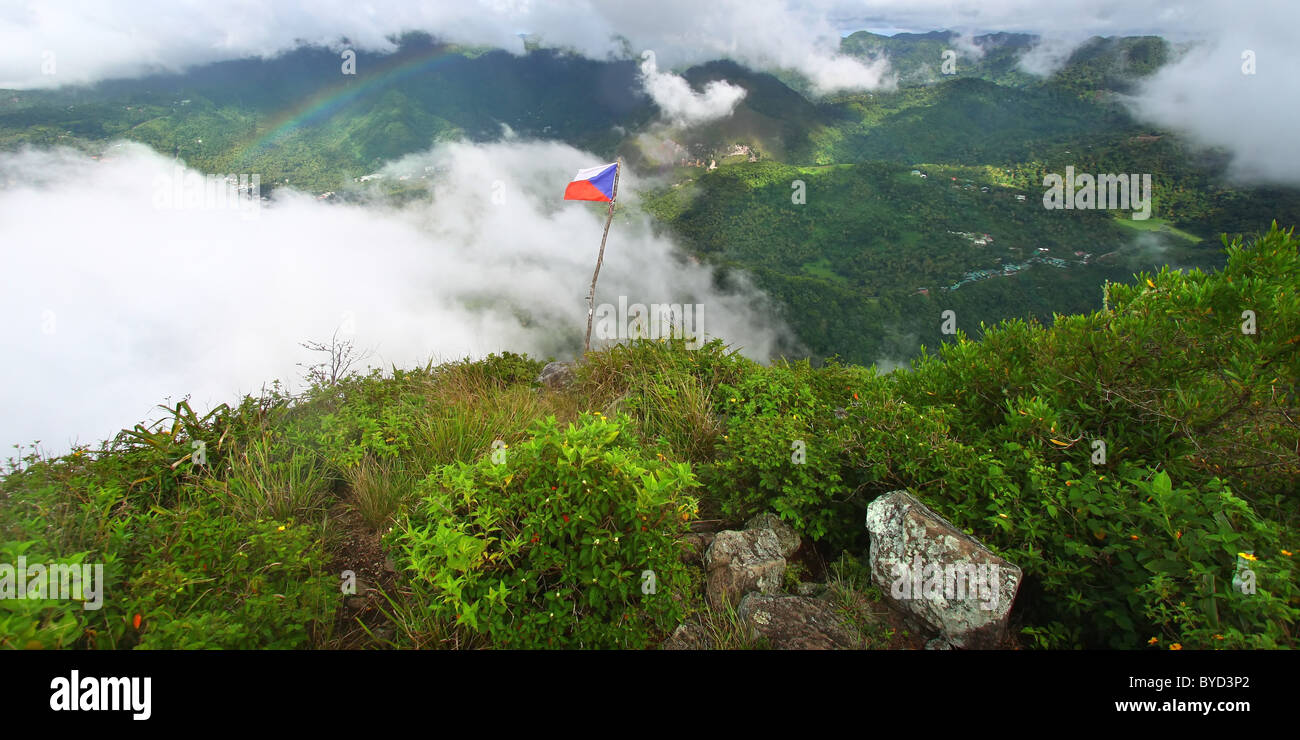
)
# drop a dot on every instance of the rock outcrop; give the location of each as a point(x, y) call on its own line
point(740, 562)
point(557, 376)
point(795, 623)
point(938, 575)
point(689, 636)
point(785, 534)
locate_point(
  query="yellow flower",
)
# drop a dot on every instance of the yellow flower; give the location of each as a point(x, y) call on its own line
point(1286, 553)
point(1153, 640)
point(1218, 637)
point(1247, 556)
point(1175, 646)
point(280, 528)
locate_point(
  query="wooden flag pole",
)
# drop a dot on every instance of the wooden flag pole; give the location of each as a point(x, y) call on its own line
point(591, 296)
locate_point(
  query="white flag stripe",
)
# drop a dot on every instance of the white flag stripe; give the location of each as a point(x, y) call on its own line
point(591, 172)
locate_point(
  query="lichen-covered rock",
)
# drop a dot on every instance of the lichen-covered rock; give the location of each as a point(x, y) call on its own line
point(557, 375)
point(689, 636)
point(785, 534)
point(806, 588)
point(939, 575)
point(796, 623)
point(740, 562)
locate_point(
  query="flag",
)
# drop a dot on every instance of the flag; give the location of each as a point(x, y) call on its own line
point(593, 183)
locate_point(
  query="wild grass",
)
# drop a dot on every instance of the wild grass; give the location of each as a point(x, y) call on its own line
point(670, 392)
point(379, 488)
point(266, 480)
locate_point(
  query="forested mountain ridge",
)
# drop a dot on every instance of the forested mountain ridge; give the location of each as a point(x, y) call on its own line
point(858, 269)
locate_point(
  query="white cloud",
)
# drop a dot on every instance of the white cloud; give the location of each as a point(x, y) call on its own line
point(149, 304)
point(1208, 96)
point(91, 42)
point(681, 105)
point(833, 74)
point(1049, 54)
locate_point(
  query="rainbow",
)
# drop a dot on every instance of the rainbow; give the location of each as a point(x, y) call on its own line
point(322, 105)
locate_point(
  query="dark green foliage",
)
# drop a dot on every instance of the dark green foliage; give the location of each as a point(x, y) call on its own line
point(547, 544)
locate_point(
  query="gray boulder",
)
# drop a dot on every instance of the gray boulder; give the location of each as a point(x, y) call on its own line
point(689, 636)
point(938, 575)
point(785, 534)
point(806, 588)
point(796, 623)
point(557, 375)
point(739, 562)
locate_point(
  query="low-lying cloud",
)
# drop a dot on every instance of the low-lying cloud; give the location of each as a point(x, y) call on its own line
point(681, 105)
point(1240, 93)
point(80, 41)
point(117, 304)
point(1049, 55)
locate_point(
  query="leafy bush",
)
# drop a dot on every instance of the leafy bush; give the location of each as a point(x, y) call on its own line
point(210, 580)
point(1140, 541)
point(545, 544)
point(781, 451)
point(45, 623)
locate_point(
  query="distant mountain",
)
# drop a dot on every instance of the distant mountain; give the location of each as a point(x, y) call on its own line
point(918, 59)
point(1111, 64)
point(298, 117)
point(853, 267)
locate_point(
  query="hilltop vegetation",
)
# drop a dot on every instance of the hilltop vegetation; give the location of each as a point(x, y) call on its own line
point(519, 518)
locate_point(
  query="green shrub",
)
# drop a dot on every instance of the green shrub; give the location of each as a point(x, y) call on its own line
point(782, 452)
point(47, 623)
point(209, 580)
point(546, 543)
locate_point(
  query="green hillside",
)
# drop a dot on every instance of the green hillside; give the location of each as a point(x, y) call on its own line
point(481, 511)
point(849, 263)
